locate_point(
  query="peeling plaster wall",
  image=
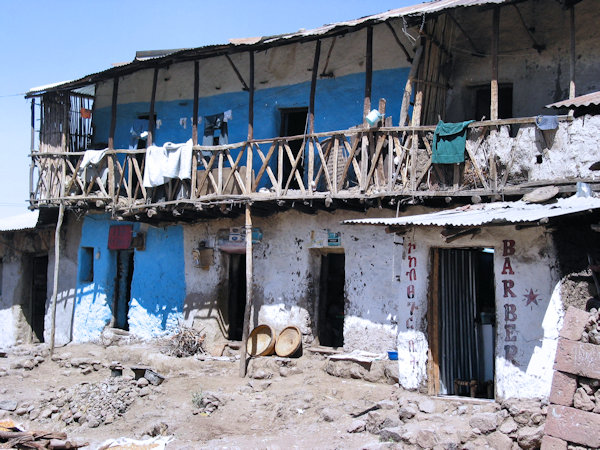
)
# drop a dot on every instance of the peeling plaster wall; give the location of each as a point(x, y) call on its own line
point(526, 327)
point(157, 287)
point(286, 271)
point(538, 78)
point(535, 155)
point(11, 302)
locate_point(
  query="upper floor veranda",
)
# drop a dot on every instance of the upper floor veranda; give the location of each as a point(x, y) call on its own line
point(293, 108)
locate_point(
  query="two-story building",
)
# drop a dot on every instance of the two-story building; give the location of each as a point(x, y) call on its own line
point(199, 182)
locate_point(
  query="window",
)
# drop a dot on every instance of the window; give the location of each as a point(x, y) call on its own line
point(86, 264)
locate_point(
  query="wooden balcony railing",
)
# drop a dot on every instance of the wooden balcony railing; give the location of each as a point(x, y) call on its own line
point(355, 163)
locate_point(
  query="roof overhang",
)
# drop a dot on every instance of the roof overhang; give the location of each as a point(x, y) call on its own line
point(26, 221)
point(261, 43)
point(593, 98)
point(498, 213)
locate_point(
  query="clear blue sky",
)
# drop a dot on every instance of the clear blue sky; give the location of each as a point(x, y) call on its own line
point(44, 42)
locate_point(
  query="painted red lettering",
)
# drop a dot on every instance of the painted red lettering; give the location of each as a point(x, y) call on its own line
point(411, 247)
point(507, 268)
point(412, 261)
point(510, 351)
point(508, 285)
point(410, 291)
point(510, 329)
point(412, 275)
point(509, 247)
point(510, 313)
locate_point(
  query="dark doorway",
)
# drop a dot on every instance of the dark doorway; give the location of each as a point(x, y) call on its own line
point(123, 289)
point(483, 99)
point(331, 300)
point(464, 300)
point(293, 123)
point(39, 293)
point(237, 296)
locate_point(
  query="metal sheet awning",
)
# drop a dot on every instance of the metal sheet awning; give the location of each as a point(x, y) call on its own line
point(593, 98)
point(24, 221)
point(490, 213)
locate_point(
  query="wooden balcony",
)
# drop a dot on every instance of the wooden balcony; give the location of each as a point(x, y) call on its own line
point(356, 164)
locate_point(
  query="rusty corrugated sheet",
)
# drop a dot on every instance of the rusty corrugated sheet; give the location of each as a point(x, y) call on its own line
point(432, 7)
point(490, 213)
point(593, 98)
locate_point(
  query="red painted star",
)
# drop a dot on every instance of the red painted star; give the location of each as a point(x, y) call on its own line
point(531, 297)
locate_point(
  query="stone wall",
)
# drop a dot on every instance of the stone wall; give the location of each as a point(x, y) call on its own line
point(573, 419)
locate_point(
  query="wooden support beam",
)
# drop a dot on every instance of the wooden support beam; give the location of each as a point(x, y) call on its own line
point(573, 56)
point(476, 50)
point(250, 149)
point(113, 114)
point(399, 42)
point(237, 72)
point(368, 73)
point(195, 107)
point(535, 44)
point(313, 88)
point(494, 83)
point(325, 73)
point(249, 276)
point(151, 121)
point(408, 89)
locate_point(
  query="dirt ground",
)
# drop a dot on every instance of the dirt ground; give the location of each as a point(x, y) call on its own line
point(285, 403)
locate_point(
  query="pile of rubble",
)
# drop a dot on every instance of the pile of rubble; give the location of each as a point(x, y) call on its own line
point(92, 404)
point(428, 423)
point(574, 418)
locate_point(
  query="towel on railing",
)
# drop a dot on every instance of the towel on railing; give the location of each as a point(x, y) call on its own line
point(97, 167)
point(449, 141)
point(167, 162)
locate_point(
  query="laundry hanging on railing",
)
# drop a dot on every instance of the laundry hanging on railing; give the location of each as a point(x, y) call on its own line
point(449, 140)
point(93, 165)
point(167, 162)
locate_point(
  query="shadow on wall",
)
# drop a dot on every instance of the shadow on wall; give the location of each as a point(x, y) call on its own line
point(205, 308)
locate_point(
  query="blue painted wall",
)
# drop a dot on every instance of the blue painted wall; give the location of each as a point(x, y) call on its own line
point(338, 106)
point(157, 287)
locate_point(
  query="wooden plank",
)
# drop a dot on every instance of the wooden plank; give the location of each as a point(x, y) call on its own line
point(235, 171)
point(294, 172)
point(194, 179)
point(279, 167)
point(323, 167)
point(220, 174)
point(249, 155)
point(140, 183)
point(206, 174)
point(349, 161)
point(313, 87)
point(494, 83)
point(336, 146)
point(456, 176)
point(61, 212)
point(249, 286)
point(311, 166)
point(379, 146)
point(151, 122)
point(265, 163)
point(474, 161)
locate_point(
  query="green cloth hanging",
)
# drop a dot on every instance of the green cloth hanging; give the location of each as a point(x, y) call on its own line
point(449, 141)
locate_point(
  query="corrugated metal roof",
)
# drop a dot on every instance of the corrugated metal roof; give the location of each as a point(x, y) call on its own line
point(593, 98)
point(490, 213)
point(24, 221)
point(435, 6)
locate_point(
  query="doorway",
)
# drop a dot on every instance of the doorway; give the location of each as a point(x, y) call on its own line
point(293, 123)
point(123, 289)
point(237, 296)
point(462, 322)
point(331, 300)
point(39, 294)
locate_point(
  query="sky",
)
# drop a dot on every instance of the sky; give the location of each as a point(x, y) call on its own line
point(43, 42)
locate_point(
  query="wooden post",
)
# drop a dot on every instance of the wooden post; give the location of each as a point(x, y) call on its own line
point(32, 162)
point(195, 108)
point(494, 83)
point(61, 212)
point(248, 307)
point(151, 122)
point(313, 88)
point(111, 138)
point(409, 87)
point(248, 224)
point(368, 73)
point(573, 56)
